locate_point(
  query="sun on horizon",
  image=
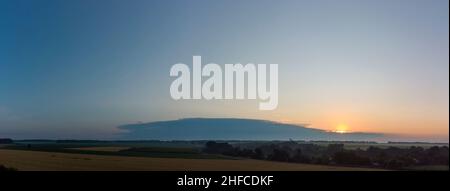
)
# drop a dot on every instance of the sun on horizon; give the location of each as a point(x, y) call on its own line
point(342, 128)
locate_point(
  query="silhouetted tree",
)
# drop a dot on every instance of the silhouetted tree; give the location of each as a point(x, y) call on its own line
point(350, 158)
point(219, 148)
point(258, 154)
point(279, 155)
point(6, 141)
point(300, 158)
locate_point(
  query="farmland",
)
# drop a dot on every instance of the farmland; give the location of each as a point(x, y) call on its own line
point(54, 161)
point(191, 155)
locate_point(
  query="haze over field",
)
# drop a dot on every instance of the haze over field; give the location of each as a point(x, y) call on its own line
point(83, 69)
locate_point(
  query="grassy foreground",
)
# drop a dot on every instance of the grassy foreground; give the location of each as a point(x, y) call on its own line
point(53, 161)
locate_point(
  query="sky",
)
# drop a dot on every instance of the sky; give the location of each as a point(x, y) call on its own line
point(79, 69)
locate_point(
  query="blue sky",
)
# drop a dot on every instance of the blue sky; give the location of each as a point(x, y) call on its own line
point(79, 69)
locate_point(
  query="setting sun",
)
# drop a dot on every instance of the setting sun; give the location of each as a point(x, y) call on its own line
point(341, 128)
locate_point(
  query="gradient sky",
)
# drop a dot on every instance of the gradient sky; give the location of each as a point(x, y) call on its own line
point(80, 68)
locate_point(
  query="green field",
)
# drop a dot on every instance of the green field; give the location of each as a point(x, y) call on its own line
point(137, 149)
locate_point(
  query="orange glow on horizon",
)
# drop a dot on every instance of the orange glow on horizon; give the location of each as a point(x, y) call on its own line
point(349, 121)
point(341, 128)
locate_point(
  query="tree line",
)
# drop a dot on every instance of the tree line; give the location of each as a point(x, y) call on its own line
point(336, 154)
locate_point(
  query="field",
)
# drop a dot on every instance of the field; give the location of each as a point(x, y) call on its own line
point(102, 149)
point(174, 155)
point(54, 161)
